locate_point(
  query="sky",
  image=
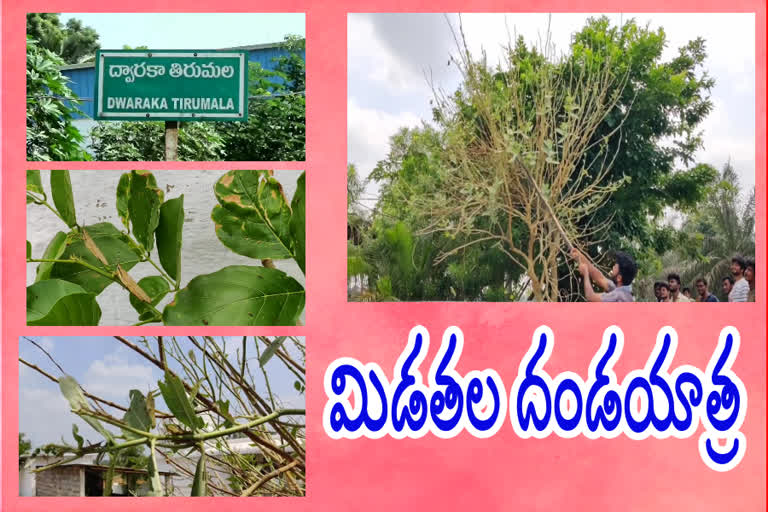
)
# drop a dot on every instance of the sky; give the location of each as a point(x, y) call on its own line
point(172, 31)
point(390, 57)
point(107, 368)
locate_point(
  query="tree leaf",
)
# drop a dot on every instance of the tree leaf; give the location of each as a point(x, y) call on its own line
point(74, 395)
point(298, 222)
point(29, 250)
point(34, 183)
point(61, 190)
point(155, 287)
point(238, 295)
point(271, 349)
point(144, 202)
point(123, 193)
point(137, 415)
point(169, 234)
point(200, 480)
point(53, 252)
point(115, 247)
point(76, 435)
point(253, 216)
point(224, 408)
point(176, 399)
point(57, 302)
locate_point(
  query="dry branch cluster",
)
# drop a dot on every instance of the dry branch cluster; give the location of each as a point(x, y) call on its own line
point(236, 408)
point(526, 125)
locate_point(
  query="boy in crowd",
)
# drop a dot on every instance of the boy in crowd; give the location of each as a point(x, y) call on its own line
point(704, 295)
point(617, 285)
point(727, 285)
point(687, 293)
point(661, 289)
point(740, 290)
point(749, 276)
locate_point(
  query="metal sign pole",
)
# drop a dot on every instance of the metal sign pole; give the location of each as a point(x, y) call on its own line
point(171, 140)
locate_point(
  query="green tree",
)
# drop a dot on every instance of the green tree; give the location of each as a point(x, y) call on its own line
point(25, 445)
point(662, 104)
point(73, 42)
point(276, 125)
point(50, 108)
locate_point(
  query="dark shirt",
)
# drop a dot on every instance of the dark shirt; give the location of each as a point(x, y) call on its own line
point(711, 298)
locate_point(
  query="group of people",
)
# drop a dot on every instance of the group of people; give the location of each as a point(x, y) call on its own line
point(617, 285)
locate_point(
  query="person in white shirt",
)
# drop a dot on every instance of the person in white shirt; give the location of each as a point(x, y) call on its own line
point(740, 290)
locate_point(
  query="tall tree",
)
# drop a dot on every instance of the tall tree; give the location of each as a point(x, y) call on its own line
point(73, 42)
point(609, 120)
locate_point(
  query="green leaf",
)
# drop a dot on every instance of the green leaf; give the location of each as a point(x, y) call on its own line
point(200, 480)
point(61, 190)
point(238, 295)
point(29, 250)
point(34, 183)
point(57, 302)
point(271, 349)
point(144, 202)
point(114, 245)
point(298, 222)
point(137, 415)
point(253, 216)
point(176, 399)
point(123, 192)
point(77, 436)
point(156, 288)
point(168, 235)
point(77, 402)
point(224, 408)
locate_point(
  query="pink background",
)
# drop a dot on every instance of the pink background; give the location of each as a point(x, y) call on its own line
point(503, 472)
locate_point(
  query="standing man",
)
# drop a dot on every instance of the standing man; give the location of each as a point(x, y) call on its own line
point(740, 290)
point(617, 286)
point(704, 295)
point(674, 289)
point(749, 275)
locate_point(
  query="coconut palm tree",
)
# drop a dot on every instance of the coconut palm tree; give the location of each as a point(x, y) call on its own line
point(722, 227)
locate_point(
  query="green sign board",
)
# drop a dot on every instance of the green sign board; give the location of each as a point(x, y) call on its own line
point(171, 85)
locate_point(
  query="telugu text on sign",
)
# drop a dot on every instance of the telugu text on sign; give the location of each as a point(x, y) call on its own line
point(171, 85)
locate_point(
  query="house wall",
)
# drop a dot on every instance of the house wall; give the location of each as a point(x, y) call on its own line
point(60, 481)
point(26, 482)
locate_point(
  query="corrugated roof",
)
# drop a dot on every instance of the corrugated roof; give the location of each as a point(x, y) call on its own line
point(250, 47)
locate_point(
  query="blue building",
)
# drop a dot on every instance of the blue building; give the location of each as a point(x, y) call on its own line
point(83, 76)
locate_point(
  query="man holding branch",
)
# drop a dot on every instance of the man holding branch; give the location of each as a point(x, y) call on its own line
point(617, 286)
